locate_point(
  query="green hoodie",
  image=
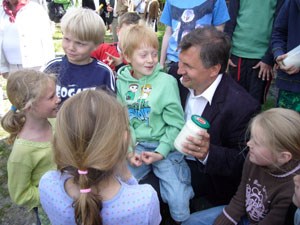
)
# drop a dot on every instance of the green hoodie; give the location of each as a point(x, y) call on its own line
point(154, 107)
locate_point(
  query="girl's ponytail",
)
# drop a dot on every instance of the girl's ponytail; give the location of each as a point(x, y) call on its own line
point(89, 205)
point(13, 122)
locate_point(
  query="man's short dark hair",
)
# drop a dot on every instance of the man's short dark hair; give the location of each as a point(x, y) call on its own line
point(214, 46)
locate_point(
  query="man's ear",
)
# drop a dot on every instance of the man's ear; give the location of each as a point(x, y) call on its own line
point(284, 157)
point(215, 70)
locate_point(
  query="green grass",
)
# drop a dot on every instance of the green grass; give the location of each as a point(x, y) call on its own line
point(270, 103)
point(4, 153)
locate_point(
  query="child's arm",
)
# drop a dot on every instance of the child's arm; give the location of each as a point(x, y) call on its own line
point(20, 186)
point(165, 43)
point(280, 32)
point(173, 117)
point(278, 210)
point(236, 208)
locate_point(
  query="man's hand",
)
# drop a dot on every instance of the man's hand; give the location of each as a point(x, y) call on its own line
point(197, 147)
point(265, 70)
point(150, 157)
point(134, 159)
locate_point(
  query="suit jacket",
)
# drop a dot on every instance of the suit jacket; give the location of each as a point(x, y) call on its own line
point(229, 114)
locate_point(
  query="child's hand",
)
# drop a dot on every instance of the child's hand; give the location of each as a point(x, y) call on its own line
point(265, 70)
point(280, 58)
point(230, 63)
point(134, 159)
point(296, 197)
point(151, 157)
point(288, 69)
point(113, 60)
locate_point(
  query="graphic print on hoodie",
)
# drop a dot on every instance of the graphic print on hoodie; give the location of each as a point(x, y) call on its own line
point(154, 107)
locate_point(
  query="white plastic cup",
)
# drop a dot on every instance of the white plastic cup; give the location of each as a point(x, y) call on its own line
point(191, 128)
point(293, 57)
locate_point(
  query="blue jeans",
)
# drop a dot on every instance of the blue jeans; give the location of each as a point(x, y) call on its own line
point(174, 179)
point(208, 217)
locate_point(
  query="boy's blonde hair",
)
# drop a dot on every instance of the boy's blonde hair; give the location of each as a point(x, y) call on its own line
point(129, 18)
point(281, 130)
point(23, 88)
point(92, 134)
point(84, 24)
point(136, 36)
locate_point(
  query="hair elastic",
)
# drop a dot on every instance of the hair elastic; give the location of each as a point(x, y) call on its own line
point(82, 172)
point(13, 108)
point(84, 191)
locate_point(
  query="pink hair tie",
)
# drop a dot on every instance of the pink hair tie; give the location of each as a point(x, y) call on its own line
point(84, 191)
point(82, 172)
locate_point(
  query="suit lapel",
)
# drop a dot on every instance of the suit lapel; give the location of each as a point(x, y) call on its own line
point(211, 111)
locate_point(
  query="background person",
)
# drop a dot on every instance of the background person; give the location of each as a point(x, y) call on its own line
point(285, 37)
point(83, 30)
point(251, 24)
point(26, 38)
point(181, 17)
point(110, 53)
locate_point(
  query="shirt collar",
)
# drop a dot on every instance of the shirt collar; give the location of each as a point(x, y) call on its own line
point(208, 94)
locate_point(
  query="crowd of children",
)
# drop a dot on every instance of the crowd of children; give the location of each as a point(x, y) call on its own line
point(118, 115)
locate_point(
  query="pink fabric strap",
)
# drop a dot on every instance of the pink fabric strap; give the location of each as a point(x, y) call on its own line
point(82, 172)
point(84, 191)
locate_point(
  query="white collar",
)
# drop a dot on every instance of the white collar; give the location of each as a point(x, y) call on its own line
point(208, 94)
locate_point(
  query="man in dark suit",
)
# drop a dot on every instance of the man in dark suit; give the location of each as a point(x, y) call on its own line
point(216, 161)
